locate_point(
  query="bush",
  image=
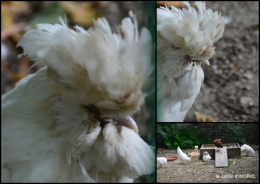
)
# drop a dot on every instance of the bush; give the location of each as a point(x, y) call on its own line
point(188, 135)
point(175, 136)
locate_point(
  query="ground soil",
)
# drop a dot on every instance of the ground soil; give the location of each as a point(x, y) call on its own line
point(200, 172)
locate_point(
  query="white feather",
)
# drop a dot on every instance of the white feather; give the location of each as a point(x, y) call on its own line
point(206, 156)
point(161, 161)
point(247, 150)
point(182, 156)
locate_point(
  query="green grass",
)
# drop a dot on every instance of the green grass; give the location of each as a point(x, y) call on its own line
point(230, 163)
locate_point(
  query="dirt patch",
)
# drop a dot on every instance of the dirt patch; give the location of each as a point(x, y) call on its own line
point(241, 170)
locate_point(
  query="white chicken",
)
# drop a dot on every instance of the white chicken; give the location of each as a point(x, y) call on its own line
point(161, 161)
point(247, 150)
point(206, 156)
point(184, 41)
point(194, 154)
point(182, 156)
point(70, 121)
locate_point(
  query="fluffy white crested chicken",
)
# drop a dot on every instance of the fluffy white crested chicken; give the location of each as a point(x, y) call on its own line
point(70, 121)
point(247, 150)
point(184, 41)
point(182, 156)
point(161, 161)
point(206, 156)
point(194, 154)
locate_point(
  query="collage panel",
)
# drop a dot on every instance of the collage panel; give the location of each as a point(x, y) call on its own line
point(207, 152)
point(207, 61)
point(79, 103)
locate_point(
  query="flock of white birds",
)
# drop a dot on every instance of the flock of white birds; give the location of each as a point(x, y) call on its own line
point(194, 155)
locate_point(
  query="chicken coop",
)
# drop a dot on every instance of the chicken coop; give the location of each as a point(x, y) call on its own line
point(233, 150)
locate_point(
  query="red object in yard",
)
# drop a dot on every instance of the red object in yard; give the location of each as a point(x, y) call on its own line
point(171, 158)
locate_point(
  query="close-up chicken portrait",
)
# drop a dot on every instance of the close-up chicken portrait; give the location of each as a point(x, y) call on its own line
point(78, 91)
point(207, 61)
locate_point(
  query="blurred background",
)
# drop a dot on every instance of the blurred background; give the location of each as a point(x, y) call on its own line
point(18, 17)
point(230, 92)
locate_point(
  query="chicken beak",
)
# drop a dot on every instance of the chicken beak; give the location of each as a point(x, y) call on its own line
point(206, 62)
point(127, 122)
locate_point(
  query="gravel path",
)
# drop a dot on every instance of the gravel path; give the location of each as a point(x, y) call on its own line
point(201, 172)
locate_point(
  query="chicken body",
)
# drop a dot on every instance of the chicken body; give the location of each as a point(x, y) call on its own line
point(184, 41)
point(247, 150)
point(194, 154)
point(182, 156)
point(217, 143)
point(70, 121)
point(206, 156)
point(161, 161)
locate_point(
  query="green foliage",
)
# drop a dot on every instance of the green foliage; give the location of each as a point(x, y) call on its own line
point(227, 132)
point(235, 133)
point(189, 135)
point(49, 14)
point(175, 136)
point(230, 163)
point(185, 138)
